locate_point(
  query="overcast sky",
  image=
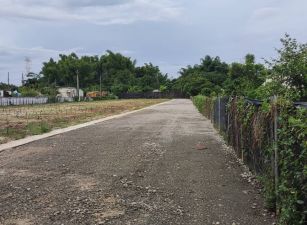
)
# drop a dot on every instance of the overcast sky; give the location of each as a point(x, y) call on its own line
point(168, 33)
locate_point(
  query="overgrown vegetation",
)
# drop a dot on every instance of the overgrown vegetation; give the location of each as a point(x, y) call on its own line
point(250, 128)
point(250, 132)
point(199, 102)
point(204, 105)
point(284, 76)
point(292, 148)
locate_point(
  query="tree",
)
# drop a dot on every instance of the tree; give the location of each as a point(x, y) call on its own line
point(244, 79)
point(119, 73)
point(149, 77)
point(206, 78)
point(288, 72)
point(50, 72)
point(6, 87)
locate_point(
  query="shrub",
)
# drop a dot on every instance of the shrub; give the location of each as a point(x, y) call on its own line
point(110, 96)
point(199, 102)
point(28, 92)
point(292, 148)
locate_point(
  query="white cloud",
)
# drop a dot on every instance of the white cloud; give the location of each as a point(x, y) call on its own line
point(93, 11)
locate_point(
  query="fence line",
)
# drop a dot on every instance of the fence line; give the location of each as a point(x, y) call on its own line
point(268, 140)
point(152, 95)
point(7, 101)
point(246, 139)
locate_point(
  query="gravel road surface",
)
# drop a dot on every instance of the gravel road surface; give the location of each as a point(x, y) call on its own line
point(164, 165)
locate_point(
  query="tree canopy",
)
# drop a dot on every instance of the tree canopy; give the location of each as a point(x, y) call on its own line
point(118, 73)
point(285, 76)
point(205, 78)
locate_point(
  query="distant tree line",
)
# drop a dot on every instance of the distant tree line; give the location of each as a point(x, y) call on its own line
point(7, 87)
point(117, 73)
point(286, 75)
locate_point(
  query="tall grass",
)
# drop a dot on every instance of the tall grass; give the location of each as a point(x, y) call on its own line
point(199, 102)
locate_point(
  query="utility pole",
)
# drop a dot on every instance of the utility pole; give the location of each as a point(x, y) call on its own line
point(22, 79)
point(219, 112)
point(78, 93)
point(100, 86)
point(8, 78)
point(28, 62)
point(158, 82)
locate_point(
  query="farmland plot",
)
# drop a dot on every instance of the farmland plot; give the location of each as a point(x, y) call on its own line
point(20, 121)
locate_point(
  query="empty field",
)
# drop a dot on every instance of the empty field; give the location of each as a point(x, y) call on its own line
point(20, 121)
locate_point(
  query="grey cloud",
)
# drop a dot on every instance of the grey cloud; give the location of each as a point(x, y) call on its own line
point(92, 11)
point(12, 60)
point(69, 3)
point(86, 3)
point(168, 33)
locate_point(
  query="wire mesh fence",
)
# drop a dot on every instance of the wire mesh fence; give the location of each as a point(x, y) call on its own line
point(220, 118)
point(270, 138)
point(251, 135)
point(247, 128)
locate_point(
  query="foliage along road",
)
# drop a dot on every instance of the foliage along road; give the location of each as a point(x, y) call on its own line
point(163, 165)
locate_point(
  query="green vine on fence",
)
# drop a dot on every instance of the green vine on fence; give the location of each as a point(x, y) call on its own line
point(250, 132)
point(292, 145)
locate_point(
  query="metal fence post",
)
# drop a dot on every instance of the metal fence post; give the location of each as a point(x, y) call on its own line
point(219, 113)
point(213, 111)
point(276, 150)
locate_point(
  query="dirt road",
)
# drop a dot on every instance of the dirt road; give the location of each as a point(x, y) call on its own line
point(164, 165)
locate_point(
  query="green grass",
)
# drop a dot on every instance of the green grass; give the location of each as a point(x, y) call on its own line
point(199, 102)
point(36, 128)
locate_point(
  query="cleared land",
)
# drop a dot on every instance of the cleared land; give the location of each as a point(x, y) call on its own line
point(20, 121)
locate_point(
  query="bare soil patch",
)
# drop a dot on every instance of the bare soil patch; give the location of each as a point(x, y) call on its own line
point(20, 121)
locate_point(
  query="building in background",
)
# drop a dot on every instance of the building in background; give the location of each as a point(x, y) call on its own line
point(4, 93)
point(68, 94)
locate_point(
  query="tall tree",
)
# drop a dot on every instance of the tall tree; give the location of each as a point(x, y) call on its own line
point(205, 78)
